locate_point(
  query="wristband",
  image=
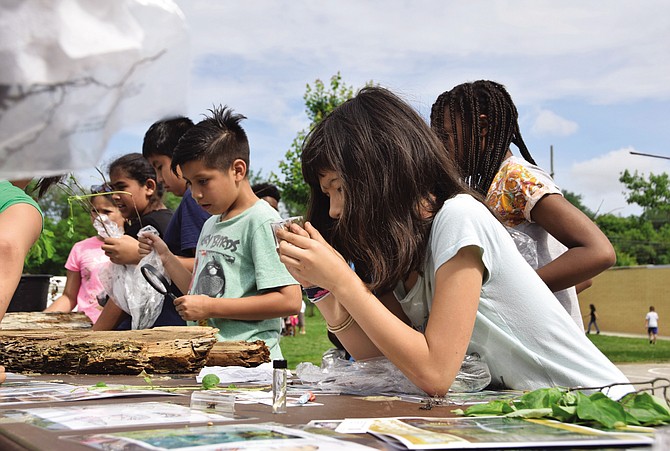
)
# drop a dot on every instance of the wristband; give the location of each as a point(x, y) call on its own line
point(315, 294)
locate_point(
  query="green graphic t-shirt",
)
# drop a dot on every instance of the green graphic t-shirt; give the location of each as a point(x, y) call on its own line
point(236, 258)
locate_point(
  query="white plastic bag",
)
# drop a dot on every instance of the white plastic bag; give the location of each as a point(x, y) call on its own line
point(378, 375)
point(127, 287)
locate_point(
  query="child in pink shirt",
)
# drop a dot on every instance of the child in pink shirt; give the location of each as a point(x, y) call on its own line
point(82, 286)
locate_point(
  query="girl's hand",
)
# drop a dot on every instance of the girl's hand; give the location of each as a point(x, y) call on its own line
point(297, 276)
point(151, 241)
point(122, 251)
point(310, 259)
point(193, 307)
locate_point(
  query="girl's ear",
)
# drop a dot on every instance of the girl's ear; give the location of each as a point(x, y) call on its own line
point(151, 186)
point(484, 125)
point(239, 169)
point(483, 129)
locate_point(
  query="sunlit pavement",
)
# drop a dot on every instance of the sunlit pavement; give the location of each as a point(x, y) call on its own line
point(642, 372)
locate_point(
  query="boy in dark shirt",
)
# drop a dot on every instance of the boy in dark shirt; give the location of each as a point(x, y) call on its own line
point(183, 231)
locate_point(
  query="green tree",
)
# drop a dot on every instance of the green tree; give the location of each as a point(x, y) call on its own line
point(319, 101)
point(652, 194)
point(644, 239)
point(576, 200)
point(636, 240)
point(63, 226)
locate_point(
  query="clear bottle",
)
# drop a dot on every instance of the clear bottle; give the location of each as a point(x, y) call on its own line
point(279, 379)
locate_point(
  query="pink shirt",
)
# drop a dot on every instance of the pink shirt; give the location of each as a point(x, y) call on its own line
point(87, 258)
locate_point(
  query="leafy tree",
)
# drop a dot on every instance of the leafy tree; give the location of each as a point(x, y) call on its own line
point(635, 240)
point(576, 200)
point(652, 194)
point(319, 101)
point(63, 226)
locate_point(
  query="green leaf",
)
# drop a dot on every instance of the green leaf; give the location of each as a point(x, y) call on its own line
point(146, 378)
point(568, 399)
point(210, 381)
point(566, 414)
point(646, 409)
point(541, 398)
point(100, 384)
point(576, 407)
point(601, 409)
point(530, 413)
point(490, 408)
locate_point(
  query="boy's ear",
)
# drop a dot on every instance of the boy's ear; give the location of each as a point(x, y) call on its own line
point(240, 169)
point(177, 172)
point(484, 125)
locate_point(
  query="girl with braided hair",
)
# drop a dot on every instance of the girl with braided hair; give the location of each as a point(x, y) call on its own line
point(477, 122)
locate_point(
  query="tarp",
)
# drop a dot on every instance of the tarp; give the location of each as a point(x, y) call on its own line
point(74, 72)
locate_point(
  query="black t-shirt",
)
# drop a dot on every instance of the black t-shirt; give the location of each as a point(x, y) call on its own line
point(157, 218)
point(160, 220)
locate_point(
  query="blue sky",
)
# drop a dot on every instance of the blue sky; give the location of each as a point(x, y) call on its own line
point(589, 77)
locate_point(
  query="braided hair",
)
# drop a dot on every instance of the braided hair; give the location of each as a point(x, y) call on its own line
point(466, 103)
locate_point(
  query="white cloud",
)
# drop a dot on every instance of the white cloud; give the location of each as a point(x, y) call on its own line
point(597, 180)
point(257, 56)
point(549, 123)
point(565, 48)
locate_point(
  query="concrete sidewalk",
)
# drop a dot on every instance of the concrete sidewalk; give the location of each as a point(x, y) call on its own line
point(642, 372)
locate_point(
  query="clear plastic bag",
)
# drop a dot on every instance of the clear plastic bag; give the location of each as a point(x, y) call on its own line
point(106, 228)
point(378, 375)
point(526, 245)
point(127, 287)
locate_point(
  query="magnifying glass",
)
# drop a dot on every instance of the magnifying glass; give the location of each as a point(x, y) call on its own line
point(157, 280)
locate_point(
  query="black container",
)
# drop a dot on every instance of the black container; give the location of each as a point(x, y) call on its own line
point(32, 293)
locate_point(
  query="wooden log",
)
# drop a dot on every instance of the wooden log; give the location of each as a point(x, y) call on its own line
point(45, 320)
point(238, 353)
point(159, 350)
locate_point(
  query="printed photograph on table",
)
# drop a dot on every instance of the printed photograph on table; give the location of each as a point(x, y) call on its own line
point(221, 437)
point(12, 393)
point(495, 433)
point(104, 416)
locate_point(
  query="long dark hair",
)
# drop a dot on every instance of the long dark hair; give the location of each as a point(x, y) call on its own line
point(395, 177)
point(465, 104)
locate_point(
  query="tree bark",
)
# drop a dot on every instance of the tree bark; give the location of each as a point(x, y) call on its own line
point(238, 353)
point(45, 320)
point(176, 349)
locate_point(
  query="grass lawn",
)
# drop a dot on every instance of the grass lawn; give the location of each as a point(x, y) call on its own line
point(631, 350)
point(311, 346)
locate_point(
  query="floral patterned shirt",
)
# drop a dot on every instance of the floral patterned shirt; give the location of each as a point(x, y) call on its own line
point(515, 190)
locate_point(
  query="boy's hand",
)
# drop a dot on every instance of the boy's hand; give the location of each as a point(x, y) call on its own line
point(151, 241)
point(122, 251)
point(193, 307)
point(3, 376)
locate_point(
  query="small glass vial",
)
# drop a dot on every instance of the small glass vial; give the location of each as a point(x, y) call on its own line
point(279, 377)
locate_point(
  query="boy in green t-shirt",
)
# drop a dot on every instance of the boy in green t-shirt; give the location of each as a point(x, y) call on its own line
point(238, 284)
